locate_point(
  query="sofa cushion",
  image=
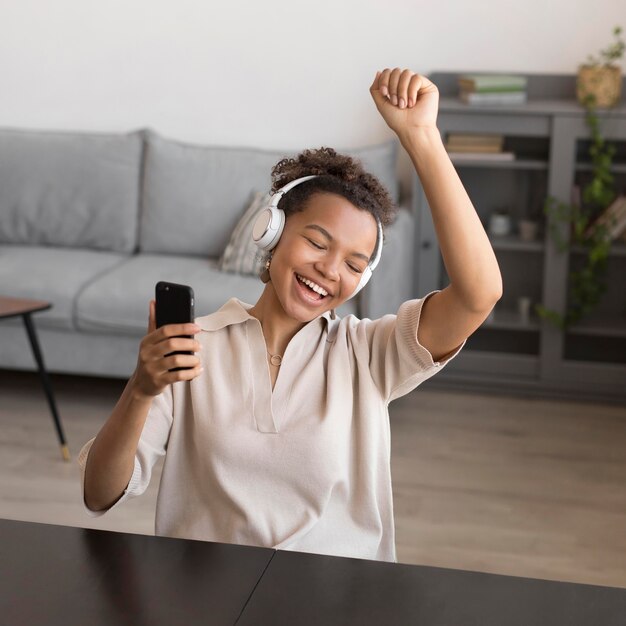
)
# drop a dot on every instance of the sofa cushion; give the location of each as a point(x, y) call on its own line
point(70, 188)
point(193, 195)
point(242, 255)
point(54, 274)
point(118, 302)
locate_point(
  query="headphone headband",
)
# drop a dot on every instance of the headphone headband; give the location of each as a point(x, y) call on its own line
point(283, 190)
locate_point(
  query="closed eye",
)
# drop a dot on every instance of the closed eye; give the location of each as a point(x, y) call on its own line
point(318, 247)
point(354, 269)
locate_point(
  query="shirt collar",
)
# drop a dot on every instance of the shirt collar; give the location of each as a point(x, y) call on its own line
point(234, 311)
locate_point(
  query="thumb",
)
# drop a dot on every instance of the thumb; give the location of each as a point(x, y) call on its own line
point(375, 83)
point(152, 317)
point(378, 97)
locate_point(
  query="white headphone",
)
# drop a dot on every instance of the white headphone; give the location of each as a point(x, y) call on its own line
point(270, 223)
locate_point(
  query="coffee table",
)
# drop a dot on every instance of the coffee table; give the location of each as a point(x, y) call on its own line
point(12, 307)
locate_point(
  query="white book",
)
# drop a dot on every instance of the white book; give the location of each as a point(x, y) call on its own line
point(494, 98)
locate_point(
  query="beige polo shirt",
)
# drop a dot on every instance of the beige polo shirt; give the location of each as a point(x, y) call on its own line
point(304, 467)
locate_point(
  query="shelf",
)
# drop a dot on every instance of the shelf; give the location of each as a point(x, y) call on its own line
point(597, 349)
point(514, 243)
point(493, 364)
point(516, 164)
point(618, 168)
point(510, 320)
point(600, 327)
point(617, 249)
point(506, 339)
point(534, 106)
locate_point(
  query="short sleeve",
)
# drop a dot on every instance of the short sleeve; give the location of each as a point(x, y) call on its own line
point(398, 362)
point(152, 445)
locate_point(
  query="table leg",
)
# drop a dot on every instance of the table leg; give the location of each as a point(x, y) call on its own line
point(45, 380)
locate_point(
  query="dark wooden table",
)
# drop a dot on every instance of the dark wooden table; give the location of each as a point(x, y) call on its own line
point(24, 308)
point(57, 575)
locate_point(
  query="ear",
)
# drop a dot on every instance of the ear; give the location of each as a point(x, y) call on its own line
point(265, 274)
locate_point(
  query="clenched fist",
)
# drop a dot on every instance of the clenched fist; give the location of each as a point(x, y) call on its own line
point(406, 100)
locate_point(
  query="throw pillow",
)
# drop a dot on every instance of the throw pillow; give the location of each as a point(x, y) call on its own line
point(241, 254)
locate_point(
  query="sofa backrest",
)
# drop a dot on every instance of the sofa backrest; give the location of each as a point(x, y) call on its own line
point(193, 195)
point(70, 189)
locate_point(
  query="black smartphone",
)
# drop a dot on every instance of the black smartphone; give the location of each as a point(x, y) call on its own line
point(174, 305)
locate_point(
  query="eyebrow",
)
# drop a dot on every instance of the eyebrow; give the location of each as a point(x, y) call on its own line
point(329, 237)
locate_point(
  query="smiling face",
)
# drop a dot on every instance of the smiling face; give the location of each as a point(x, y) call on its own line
point(328, 244)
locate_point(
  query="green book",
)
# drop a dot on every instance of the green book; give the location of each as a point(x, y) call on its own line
point(492, 83)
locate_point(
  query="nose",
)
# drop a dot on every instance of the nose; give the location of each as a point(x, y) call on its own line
point(328, 267)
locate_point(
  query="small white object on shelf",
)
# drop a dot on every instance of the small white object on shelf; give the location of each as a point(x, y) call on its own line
point(499, 224)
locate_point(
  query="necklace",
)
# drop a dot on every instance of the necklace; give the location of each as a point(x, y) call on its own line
point(275, 359)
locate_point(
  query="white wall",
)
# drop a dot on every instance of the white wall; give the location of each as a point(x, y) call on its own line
point(280, 73)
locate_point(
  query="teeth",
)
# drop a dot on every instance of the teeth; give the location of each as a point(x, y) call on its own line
point(313, 285)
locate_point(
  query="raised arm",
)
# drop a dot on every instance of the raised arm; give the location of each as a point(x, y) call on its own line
point(409, 102)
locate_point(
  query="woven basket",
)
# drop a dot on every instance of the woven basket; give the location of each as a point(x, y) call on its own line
point(603, 81)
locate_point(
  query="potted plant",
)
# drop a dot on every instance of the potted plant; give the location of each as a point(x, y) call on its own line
point(588, 283)
point(600, 78)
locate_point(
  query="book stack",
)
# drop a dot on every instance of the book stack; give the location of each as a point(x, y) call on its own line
point(463, 146)
point(498, 89)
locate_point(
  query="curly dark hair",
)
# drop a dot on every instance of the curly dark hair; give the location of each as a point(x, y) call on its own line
point(336, 173)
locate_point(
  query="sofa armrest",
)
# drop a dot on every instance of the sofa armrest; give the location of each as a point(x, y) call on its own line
point(391, 283)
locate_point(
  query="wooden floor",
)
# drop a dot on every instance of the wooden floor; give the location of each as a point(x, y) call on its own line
point(499, 484)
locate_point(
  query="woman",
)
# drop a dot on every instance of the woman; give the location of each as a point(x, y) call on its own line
point(282, 440)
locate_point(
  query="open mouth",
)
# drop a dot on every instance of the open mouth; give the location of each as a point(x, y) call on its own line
point(308, 294)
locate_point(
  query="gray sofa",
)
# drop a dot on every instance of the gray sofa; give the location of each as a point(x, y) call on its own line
point(91, 221)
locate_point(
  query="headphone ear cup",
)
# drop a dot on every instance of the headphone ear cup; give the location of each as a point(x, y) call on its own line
point(365, 276)
point(268, 227)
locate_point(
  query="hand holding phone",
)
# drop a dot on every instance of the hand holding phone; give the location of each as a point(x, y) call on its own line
point(166, 353)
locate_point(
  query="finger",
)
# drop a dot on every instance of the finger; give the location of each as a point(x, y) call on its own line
point(174, 330)
point(179, 360)
point(151, 354)
point(374, 85)
point(169, 330)
point(376, 89)
point(414, 89)
point(152, 317)
point(403, 83)
point(173, 377)
point(394, 79)
point(176, 344)
point(383, 82)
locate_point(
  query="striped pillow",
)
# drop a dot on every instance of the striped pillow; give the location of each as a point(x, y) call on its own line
point(242, 255)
